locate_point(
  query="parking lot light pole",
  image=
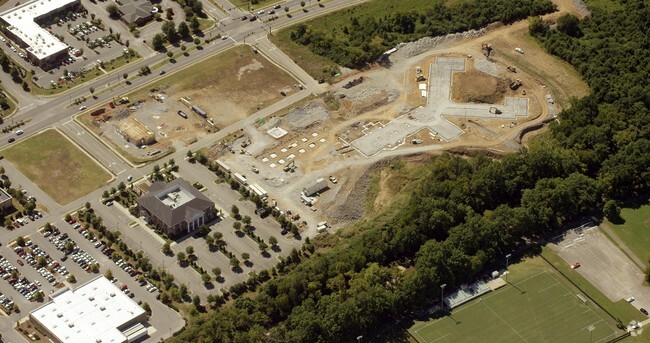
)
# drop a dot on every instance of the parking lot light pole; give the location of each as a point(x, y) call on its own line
point(507, 259)
point(442, 295)
point(591, 329)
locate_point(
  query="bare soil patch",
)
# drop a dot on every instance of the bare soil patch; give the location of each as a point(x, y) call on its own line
point(477, 86)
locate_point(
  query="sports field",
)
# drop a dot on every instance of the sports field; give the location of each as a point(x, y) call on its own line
point(537, 309)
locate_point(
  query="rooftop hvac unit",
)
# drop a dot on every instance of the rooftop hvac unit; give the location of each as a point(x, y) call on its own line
point(59, 315)
point(102, 308)
point(71, 325)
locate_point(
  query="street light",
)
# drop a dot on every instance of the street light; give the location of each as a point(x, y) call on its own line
point(442, 294)
point(591, 329)
point(507, 259)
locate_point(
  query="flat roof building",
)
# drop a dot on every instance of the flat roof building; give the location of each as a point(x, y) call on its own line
point(176, 207)
point(96, 311)
point(22, 27)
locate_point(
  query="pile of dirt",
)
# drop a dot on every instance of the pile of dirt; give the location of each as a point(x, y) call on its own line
point(478, 87)
point(407, 50)
point(301, 118)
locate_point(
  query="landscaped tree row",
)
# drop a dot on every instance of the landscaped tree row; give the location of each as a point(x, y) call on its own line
point(367, 36)
point(465, 214)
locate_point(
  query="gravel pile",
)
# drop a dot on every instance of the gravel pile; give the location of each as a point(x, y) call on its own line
point(301, 118)
point(581, 7)
point(354, 206)
point(407, 50)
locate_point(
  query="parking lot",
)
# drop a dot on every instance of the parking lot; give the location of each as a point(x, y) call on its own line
point(603, 265)
point(87, 44)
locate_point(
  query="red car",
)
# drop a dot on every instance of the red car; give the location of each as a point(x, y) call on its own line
point(575, 265)
point(20, 262)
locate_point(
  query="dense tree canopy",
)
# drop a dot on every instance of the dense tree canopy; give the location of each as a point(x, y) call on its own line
point(466, 213)
point(366, 37)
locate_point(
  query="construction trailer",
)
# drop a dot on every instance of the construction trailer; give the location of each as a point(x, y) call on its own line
point(315, 187)
point(199, 111)
point(224, 167)
point(240, 178)
point(259, 191)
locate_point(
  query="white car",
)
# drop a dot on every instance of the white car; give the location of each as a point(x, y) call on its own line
point(519, 50)
point(82, 108)
point(19, 132)
point(630, 299)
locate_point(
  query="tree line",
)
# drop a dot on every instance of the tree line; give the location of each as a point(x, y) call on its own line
point(467, 213)
point(366, 37)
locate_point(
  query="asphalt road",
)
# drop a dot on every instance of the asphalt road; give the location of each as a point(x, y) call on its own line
point(46, 112)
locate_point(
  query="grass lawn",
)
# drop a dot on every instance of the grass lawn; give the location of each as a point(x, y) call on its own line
point(261, 4)
point(10, 103)
point(317, 66)
point(537, 306)
point(604, 5)
point(635, 231)
point(57, 166)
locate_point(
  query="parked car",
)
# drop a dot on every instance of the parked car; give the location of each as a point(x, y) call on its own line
point(644, 311)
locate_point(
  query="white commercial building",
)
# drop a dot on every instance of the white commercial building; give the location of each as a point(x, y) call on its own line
point(22, 27)
point(96, 312)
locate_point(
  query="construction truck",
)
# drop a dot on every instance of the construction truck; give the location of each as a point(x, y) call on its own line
point(495, 110)
point(515, 84)
point(512, 69)
point(487, 49)
point(291, 167)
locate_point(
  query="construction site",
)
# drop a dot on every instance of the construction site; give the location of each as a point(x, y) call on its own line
point(471, 91)
point(181, 108)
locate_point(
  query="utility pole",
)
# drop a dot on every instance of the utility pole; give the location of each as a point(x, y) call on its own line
point(442, 295)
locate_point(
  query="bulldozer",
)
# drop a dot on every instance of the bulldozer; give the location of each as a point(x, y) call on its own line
point(291, 167)
point(515, 84)
point(487, 49)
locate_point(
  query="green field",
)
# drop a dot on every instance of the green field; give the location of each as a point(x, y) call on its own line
point(635, 231)
point(538, 306)
point(57, 166)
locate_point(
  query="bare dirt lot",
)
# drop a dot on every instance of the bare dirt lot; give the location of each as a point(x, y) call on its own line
point(603, 265)
point(228, 87)
point(477, 86)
